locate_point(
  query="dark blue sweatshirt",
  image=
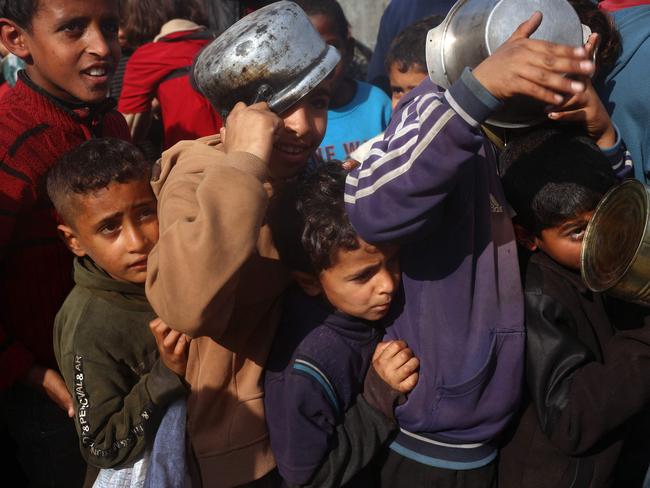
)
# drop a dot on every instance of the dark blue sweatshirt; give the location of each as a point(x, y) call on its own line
point(431, 184)
point(314, 373)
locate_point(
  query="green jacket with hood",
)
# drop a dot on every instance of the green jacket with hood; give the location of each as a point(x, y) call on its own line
point(109, 360)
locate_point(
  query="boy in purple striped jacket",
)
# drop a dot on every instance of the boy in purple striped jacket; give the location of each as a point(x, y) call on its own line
point(431, 185)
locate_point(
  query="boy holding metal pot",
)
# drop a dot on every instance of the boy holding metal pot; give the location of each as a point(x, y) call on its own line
point(431, 184)
point(586, 380)
point(215, 273)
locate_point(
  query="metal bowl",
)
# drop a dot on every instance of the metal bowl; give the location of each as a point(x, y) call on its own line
point(273, 55)
point(474, 29)
point(616, 247)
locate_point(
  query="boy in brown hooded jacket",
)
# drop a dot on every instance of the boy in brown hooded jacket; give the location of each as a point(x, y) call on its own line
point(215, 273)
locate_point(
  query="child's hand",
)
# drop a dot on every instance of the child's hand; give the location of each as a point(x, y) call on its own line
point(533, 68)
point(395, 364)
point(251, 129)
point(51, 383)
point(173, 346)
point(588, 109)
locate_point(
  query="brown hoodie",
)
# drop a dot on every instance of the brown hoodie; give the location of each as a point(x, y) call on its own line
point(215, 275)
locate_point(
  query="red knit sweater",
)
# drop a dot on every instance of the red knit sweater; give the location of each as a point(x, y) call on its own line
point(35, 266)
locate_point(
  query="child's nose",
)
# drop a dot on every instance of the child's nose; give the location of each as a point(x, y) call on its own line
point(387, 283)
point(97, 43)
point(136, 240)
point(298, 121)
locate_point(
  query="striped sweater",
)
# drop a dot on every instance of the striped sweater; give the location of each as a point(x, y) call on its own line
point(36, 268)
point(431, 184)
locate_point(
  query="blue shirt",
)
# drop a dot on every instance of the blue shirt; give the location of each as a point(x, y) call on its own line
point(367, 115)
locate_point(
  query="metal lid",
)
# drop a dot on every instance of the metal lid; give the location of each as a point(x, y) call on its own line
point(614, 235)
point(273, 55)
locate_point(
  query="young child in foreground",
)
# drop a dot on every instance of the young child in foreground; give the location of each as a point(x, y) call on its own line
point(325, 426)
point(121, 375)
point(431, 185)
point(585, 379)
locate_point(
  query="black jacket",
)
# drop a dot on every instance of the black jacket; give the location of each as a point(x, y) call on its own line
point(584, 381)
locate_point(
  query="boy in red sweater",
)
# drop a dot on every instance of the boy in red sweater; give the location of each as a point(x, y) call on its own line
point(70, 49)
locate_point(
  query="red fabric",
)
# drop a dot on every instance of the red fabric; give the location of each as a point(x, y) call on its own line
point(4, 89)
point(186, 114)
point(35, 266)
point(614, 5)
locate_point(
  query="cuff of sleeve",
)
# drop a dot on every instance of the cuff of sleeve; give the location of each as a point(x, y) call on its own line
point(471, 100)
point(615, 150)
point(380, 395)
point(164, 385)
point(249, 163)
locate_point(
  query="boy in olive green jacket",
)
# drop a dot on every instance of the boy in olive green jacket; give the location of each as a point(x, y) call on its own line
point(121, 376)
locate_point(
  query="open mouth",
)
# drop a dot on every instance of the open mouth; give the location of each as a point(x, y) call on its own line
point(292, 149)
point(98, 74)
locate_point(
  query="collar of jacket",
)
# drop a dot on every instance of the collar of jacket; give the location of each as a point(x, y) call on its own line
point(574, 277)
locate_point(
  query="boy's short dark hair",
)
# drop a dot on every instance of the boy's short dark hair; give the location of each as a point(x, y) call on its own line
point(20, 11)
point(330, 9)
point(309, 221)
point(408, 49)
point(91, 166)
point(554, 175)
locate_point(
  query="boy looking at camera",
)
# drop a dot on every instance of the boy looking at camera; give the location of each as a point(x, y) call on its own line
point(585, 380)
point(70, 50)
point(121, 375)
point(325, 424)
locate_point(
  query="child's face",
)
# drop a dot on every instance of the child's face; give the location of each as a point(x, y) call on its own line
point(71, 49)
point(304, 128)
point(402, 83)
point(563, 243)
point(362, 282)
point(330, 34)
point(117, 227)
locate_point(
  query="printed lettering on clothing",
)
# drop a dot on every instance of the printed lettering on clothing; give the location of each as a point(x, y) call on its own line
point(81, 396)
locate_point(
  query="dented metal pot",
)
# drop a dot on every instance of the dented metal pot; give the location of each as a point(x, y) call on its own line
point(273, 55)
point(474, 29)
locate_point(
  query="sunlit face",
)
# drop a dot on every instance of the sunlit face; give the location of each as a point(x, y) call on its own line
point(117, 227)
point(402, 83)
point(563, 243)
point(362, 282)
point(71, 48)
point(304, 128)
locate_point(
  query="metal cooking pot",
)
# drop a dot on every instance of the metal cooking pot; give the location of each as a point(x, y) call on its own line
point(616, 246)
point(474, 29)
point(273, 55)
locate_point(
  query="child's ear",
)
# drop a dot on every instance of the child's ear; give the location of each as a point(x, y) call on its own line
point(68, 236)
point(308, 282)
point(13, 37)
point(525, 238)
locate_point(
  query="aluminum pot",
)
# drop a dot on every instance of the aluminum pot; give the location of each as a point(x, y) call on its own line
point(474, 29)
point(273, 55)
point(616, 247)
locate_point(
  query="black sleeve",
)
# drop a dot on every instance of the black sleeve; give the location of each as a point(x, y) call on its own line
point(578, 399)
point(358, 439)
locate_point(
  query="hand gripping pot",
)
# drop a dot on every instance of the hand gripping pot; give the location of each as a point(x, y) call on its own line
point(273, 55)
point(474, 29)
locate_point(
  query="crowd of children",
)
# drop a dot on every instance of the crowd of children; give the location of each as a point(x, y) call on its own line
point(277, 303)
